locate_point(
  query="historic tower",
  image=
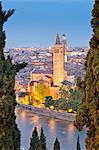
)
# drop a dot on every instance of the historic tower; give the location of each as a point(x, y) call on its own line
point(58, 61)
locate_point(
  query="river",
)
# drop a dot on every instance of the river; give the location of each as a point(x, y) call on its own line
point(64, 130)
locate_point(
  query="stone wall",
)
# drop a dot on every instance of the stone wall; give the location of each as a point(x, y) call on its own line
point(50, 113)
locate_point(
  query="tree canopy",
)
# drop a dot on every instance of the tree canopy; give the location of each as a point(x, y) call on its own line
point(9, 133)
point(88, 112)
point(56, 144)
point(41, 91)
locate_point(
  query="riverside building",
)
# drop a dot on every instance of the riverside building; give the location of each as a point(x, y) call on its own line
point(52, 73)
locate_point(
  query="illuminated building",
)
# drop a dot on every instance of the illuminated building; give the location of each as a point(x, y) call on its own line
point(54, 74)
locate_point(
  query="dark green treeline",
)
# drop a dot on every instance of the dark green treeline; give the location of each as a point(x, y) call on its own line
point(88, 112)
point(39, 142)
point(56, 144)
point(9, 133)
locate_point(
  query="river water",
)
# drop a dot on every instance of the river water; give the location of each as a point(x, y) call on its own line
point(64, 130)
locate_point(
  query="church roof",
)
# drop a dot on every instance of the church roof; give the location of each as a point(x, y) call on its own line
point(65, 82)
point(43, 71)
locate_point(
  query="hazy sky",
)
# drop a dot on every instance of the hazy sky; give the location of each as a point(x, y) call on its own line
point(36, 22)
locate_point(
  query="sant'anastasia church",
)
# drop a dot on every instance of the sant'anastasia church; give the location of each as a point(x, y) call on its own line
point(55, 75)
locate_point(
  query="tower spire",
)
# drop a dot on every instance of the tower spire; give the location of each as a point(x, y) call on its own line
point(57, 39)
point(63, 39)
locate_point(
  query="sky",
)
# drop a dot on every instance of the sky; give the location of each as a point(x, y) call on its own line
point(36, 22)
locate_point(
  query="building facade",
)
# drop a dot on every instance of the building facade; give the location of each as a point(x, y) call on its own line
point(55, 74)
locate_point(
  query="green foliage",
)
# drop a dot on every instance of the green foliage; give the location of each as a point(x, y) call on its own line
point(48, 101)
point(9, 133)
point(9, 137)
point(23, 94)
point(41, 91)
point(39, 143)
point(64, 92)
point(78, 144)
point(20, 66)
point(27, 98)
point(80, 84)
point(75, 95)
point(58, 103)
point(75, 99)
point(43, 140)
point(35, 142)
point(56, 144)
point(63, 105)
point(70, 99)
point(88, 112)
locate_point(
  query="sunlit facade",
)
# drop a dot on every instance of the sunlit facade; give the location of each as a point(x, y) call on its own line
point(52, 77)
point(55, 76)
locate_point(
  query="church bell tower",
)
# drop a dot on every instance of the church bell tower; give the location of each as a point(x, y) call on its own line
point(58, 62)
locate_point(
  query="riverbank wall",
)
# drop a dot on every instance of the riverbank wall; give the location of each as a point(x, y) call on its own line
point(49, 113)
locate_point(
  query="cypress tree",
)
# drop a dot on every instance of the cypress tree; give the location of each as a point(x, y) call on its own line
point(56, 144)
point(78, 144)
point(43, 140)
point(9, 133)
point(88, 112)
point(35, 142)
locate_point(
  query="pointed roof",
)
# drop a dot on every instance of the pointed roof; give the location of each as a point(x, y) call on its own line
point(64, 39)
point(57, 39)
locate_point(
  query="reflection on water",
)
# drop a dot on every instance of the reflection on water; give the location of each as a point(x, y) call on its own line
point(70, 129)
point(64, 130)
point(35, 119)
point(23, 116)
point(52, 126)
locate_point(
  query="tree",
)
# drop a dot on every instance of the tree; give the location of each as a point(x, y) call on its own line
point(48, 101)
point(75, 98)
point(41, 91)
point(88, 112)
point(9, 133)
point(56, 144)
point(59, 103)
point(26, 97)
point(63, 105)
point(43, 140)
point(64, 92)
point(75, 94)
point(78, 144)
point(79, 83)
point(35, 142)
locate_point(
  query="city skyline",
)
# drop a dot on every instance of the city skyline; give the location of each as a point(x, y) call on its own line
point(35, 23)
